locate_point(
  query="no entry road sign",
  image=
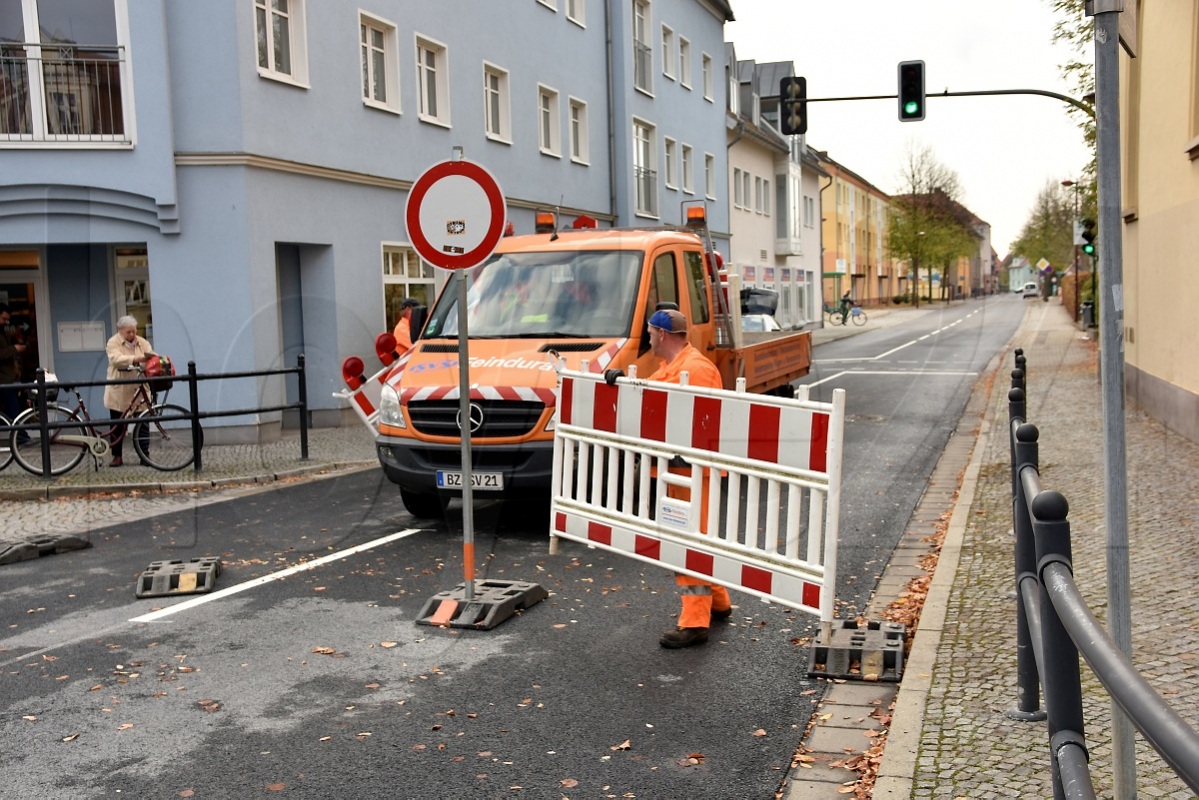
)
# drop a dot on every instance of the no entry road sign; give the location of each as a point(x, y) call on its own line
point(455, 214)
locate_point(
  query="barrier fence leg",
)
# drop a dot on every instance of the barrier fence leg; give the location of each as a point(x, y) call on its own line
point(302, 375)
point(193, 397)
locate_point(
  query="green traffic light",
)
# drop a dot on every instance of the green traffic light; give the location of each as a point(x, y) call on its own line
point(911, 108)
point(1089, 249)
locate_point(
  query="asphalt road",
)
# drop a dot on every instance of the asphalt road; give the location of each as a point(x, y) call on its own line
point(319, 683)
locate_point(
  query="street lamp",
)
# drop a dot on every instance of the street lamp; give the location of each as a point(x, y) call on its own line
point(1074, 184)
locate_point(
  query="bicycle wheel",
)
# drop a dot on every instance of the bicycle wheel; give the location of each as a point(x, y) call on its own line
point(164, 444)
point(64, 455)
point(5, 450)
point(859, 318)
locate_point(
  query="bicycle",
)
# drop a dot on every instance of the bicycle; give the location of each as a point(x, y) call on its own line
point(834, 314)
point(165, 444)
point(857, 315)
point(5, 450)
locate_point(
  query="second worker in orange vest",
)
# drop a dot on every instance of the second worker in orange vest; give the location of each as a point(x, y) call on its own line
point(702, 601)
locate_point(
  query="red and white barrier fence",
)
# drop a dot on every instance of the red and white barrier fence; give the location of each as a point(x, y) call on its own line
point(769, 522)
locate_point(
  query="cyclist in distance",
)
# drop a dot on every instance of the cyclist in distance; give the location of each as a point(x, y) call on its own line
point(846, 304)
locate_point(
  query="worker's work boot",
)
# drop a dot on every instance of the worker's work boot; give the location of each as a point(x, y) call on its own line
point(722, 613)
point(683, 637)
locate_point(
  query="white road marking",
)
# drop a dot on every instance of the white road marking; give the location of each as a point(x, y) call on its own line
point(834, 376)
point(154, 616)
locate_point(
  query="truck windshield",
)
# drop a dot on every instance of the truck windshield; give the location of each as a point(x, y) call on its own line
point(581, 294)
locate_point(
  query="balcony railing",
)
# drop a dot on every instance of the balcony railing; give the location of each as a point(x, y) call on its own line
point(61, 93)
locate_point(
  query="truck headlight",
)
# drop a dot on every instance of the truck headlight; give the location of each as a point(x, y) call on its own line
point(389, 407)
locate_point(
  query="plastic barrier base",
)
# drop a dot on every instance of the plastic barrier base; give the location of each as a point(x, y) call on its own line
point(494, 602)
point(872, 653)
point(164, 578)
point(37, 546)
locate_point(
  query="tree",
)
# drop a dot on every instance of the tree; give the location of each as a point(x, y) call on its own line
point(1077, 31)
point(928, 228)
point(1049, 232)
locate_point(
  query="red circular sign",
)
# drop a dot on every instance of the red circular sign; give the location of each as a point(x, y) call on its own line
point(455, 214)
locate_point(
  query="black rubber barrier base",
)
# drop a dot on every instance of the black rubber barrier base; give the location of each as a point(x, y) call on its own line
point(164, 578)
point(494, 602)
point(38, 546)
point(871, 653)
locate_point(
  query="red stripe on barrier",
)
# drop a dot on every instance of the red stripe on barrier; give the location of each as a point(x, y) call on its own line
point(763, 433)
point(560, 522)
point(811, 595)
point(603, 416)
point(364, 404)
point(756, 578)
point(699, 562)
point(818, 455)
point(599, 533)
point(653, 415)
point(647, 547)
point(705, 424)
point(568, 392)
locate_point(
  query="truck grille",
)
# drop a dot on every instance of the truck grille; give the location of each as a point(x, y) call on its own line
point(501, 418)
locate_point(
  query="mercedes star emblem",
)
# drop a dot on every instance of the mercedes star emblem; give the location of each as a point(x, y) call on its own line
point(476, 418)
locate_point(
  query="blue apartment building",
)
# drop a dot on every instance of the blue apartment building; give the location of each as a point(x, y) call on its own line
point(234, 173)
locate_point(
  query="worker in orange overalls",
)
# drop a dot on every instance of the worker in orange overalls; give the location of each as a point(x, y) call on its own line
point(403, 329)
point(702, 601)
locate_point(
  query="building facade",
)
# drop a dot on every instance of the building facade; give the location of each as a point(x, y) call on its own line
point(234, 173)
point(856, 258)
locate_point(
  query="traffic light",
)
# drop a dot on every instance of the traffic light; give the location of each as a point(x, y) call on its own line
point(1088, 236)
point(911, 91)
point(793, 106)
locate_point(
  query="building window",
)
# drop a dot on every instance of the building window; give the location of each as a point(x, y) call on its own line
point(809, 212)
point(737, 198)
point(757, 194)
point(747, 198)
point(685, 169)
point(707, 77)
point(765, 196)
point(670, 168)
point(549, 122)
point(497, 107)
point(63, 72)
point(576, 11)
point(282, 48)
point(580, 142)
point(404, 275)
point(643, 51)
point(684, 62)
point(380, 70)
point(709, 176)
point(550, 4)
point(645, 176)
point(668, 52)
point(432, 86)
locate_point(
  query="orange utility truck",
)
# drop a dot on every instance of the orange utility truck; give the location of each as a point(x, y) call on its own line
point(581, 296)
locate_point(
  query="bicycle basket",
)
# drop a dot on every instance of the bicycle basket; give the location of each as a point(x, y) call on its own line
point(160, 371)
point(51, 391)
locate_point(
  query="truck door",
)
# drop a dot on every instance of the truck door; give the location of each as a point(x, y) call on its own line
point(701, 331)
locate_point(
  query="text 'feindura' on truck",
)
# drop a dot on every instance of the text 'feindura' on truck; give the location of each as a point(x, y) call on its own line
point(581, 295)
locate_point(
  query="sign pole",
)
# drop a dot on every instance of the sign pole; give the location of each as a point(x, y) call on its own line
point(468, 506)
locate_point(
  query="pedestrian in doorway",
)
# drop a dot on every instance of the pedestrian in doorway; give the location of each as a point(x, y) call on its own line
point(11, 350)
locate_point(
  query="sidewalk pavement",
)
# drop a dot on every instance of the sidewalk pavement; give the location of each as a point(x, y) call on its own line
point(949, 735)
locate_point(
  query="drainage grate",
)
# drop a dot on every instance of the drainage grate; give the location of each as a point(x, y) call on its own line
point(164, 578)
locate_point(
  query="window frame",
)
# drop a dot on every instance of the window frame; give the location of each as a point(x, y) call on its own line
point(576, 12)
point(684, 48)
point(708, 77)
point(297, 39)
point(709, 176)
point(580, 133)
point(668, 51)
point(738, 197)
point(391, 61)
point(549, 121)
point(686, 166)
point(426, 276)
point(440, 72)
point(645, 154)
point(643, 62)
point(670, 163)
point(503, 97)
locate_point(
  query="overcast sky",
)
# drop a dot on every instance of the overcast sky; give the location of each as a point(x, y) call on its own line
point(1004, 148)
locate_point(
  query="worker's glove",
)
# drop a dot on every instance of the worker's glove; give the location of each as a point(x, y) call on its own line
point(610, 376)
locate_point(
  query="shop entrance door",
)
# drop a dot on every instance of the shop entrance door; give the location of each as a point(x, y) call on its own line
point(19, 282)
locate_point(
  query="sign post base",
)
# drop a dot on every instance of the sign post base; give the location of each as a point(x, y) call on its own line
point(870, 653)
point(493, 602)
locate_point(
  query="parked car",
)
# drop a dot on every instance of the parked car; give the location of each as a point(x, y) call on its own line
point(1030, 290)
point(758, 323)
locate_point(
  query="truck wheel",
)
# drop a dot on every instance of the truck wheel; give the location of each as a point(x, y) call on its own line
point(422, 506)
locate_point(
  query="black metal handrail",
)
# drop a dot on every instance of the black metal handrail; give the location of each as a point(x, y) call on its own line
point(192, 379)
point(1054, 623)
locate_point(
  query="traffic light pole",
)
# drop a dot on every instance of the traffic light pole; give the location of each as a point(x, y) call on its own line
point(1081, 106)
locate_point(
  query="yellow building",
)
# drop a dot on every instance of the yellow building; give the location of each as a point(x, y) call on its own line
point(1159, 110)
point(855, 258)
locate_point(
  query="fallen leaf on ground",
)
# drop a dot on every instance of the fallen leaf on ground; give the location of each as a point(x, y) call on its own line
point(625, 745)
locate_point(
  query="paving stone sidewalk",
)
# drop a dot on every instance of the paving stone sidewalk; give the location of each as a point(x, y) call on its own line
point(950, 737)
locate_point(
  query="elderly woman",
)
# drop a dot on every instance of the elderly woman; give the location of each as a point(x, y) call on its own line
point(126, 350)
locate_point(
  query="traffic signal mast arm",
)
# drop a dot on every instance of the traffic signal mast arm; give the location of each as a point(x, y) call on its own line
point(1088, 110)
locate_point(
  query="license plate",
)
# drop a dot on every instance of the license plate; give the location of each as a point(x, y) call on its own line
point(488, 481)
